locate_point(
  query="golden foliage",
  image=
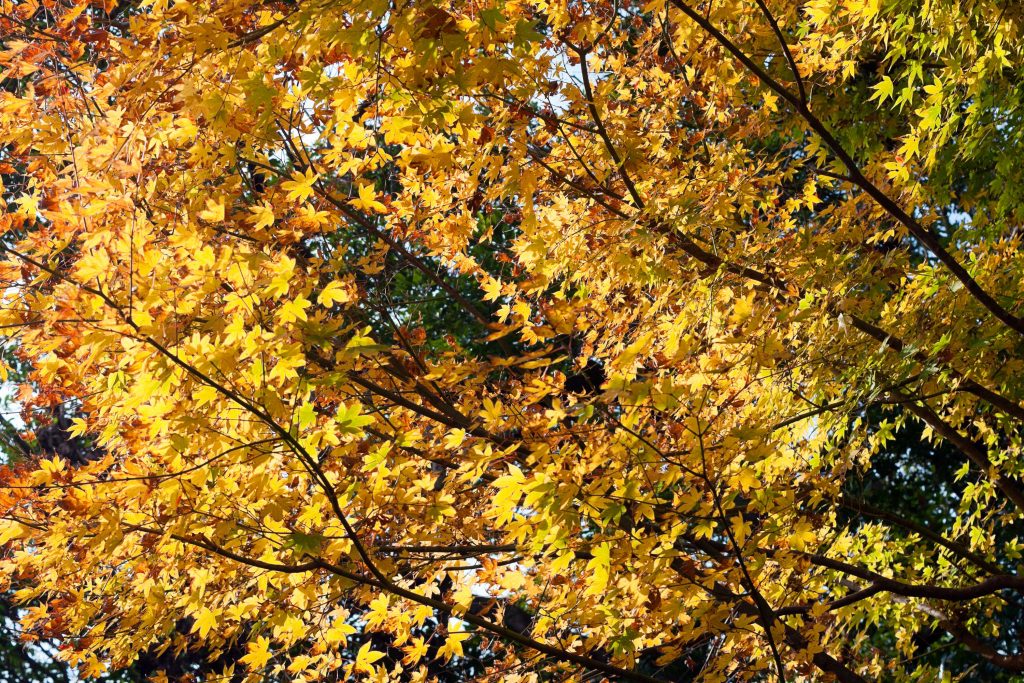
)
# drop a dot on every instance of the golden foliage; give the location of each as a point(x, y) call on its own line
point(732, 213)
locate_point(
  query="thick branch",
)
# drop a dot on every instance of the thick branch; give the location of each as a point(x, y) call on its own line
point(957, 549)
point(975, 453)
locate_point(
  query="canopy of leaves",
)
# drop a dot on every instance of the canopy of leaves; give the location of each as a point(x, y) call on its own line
point(515, 339)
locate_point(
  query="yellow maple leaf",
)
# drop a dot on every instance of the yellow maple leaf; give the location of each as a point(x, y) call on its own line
point(258, 653)
point(453, 644)
point(205, 620)
point(415, 651)
point(293, 310)
point(746, 479)
point(802, 534)
point(366, 657)
point(29, 204)
point(214, 211)
point(367, 199)
point(338, 633)
point(300, 187)
point(599, 566)
point(334, 292)
point(509, 492)
point(262, 215)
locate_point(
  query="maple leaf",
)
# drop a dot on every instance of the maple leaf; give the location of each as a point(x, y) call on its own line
point(338, 633)
point(453, 644)
point(214, 211)
point(801, 535)
point(746, 479)
point(367, 199)
point(29, 204)
point(293, 310)
point(365, 658)
point(258, 654)
point(334, 292)
point(305, 544)
point(416, 651)
point(262, 215)
point(598, 566)
point(205, 620)
point(300, 187)
point(883, 90)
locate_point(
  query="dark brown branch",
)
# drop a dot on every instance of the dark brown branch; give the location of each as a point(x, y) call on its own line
point(15, 437)
point(957, 549)
point(878, 334)
point(465, 549)
point(989, 586)
point(506, 633)
point(922, 234)
point(785, 49)
point(974, 452)
point(1014, 662)
point(846, 601)
point(603, 132)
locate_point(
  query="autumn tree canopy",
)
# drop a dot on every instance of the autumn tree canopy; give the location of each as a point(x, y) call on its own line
point(578, 335)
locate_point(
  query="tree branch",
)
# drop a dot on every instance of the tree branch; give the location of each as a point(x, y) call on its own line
point(922, 234)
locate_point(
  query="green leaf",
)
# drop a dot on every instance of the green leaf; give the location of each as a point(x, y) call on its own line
point(305, 543)
point(491, 18)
